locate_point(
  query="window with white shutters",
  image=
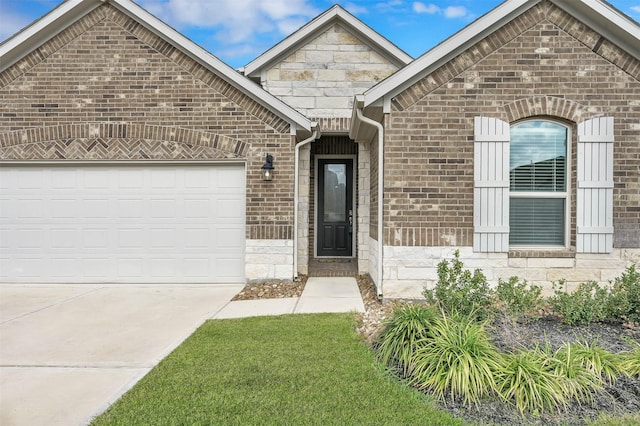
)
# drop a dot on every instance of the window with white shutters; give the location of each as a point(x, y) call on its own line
point(522, 185)
point(491, 185)
point(594, 224)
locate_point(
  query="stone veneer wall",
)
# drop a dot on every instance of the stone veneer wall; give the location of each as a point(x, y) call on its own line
point(407, 270)
point(269, 259)
point(321, 78)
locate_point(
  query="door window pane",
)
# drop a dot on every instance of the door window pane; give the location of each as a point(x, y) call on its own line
point(335, 193)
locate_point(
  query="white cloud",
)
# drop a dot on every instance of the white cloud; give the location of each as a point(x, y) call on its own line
point(430, 8)
point(235, 21)
point(450, 12)
point(455, 12)
point(355, 9)
point(635, 9)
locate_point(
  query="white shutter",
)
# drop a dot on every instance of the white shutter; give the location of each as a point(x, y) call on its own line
point(594, 227)
point(491, 185)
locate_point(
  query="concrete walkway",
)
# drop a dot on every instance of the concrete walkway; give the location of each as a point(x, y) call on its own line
point(336, 294)
point(67, 352)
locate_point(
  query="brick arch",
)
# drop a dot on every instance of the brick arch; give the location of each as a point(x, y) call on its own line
point(99, 141)
point(547, 105)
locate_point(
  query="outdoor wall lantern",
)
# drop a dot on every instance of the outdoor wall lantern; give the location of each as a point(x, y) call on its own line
point(267, 169)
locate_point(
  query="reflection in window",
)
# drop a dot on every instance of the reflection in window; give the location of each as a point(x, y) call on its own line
point(335, 193)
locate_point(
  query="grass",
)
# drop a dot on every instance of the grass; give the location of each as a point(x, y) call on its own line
point(288, 370)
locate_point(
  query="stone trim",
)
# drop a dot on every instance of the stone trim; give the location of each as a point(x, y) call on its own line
point(510, 31)
point(108, 12)
point(117, 141)
point(408, 270)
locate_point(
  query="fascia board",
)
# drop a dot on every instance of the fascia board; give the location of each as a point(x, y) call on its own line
point(72, 10)
point(311, 29)
point(606, 20)
point(598, 14)
point(446, 50)
point(214, 64)
point(32, 36)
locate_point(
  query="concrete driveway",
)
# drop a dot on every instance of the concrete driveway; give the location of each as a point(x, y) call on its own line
point(68, 351)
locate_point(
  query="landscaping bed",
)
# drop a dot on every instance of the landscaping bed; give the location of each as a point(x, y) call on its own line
point(617, 403)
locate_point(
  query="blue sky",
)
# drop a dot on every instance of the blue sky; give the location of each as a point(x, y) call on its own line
point(237, 31)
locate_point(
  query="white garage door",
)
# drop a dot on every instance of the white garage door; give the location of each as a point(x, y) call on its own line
point(117, 223)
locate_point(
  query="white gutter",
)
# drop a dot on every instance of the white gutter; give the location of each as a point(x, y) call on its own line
point(374, 123)
point(314, 136)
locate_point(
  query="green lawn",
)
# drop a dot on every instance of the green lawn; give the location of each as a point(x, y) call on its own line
point(288, 370)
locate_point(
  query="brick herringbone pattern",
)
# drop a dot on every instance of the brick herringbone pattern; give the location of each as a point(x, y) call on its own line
point(111, 149)
point(92, 141)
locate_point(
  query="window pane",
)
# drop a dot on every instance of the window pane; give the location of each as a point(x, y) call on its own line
point(538, 157)
point(536, 221)
point(335, 193)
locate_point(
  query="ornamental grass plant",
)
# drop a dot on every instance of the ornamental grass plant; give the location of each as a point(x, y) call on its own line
point(457, 360)
point(401, 333)
point(578, 381)
point(603, 364)
point(527, 379)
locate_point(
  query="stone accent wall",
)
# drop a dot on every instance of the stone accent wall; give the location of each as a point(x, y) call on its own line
point(269, 259)
point(304, 208)
point(543, 63)
point(364, 207)
point(408, 269)
point(107, 88)
point(321, 78)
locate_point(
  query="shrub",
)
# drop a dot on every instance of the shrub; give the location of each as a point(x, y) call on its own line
point(527, 379)
point(459, 290)
point(624, 299)
point(457, 358)
point(401, 332)
point(518, 297)
point(587, 304)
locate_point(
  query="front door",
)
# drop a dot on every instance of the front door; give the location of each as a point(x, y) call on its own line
point(335, 207)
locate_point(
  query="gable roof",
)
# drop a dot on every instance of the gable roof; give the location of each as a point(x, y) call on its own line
point(597, 14)
point(334, 14)
point(70, 11)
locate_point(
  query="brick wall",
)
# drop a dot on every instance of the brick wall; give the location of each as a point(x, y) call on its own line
point(107, 88)
point(544, 63)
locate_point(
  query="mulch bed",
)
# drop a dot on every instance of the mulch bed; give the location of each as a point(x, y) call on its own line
point(621, 398)
point(274, 289)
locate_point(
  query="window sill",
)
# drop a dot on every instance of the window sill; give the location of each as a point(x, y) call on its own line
point(543, 253)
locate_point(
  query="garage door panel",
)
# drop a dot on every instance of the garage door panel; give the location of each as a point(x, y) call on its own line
point(226, 267)
point(230, 238)
point(122, 224)
point(66, 268)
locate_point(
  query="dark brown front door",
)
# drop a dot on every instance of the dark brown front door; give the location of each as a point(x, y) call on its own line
point(335, 207)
